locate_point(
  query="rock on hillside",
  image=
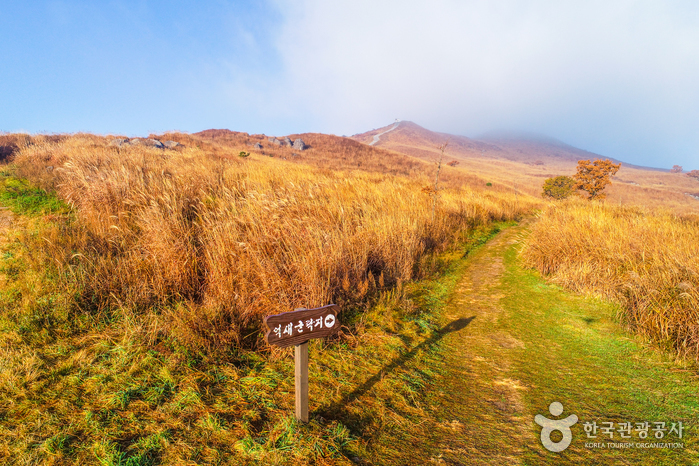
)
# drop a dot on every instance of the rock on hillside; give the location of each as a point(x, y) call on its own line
point(146, 142)
point(118, 142)
point(299, 144)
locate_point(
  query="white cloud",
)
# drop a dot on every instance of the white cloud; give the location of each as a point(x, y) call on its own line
point(596, 73)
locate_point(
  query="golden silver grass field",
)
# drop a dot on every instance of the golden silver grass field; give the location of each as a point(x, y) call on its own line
point(134, 291)
point(227, 241)
point(134, 281)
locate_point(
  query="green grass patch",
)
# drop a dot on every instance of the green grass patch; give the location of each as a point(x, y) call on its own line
point(24, 198)
point(578, 355)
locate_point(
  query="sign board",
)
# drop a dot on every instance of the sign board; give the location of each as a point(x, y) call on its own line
point(296, 328)
point(299, 326)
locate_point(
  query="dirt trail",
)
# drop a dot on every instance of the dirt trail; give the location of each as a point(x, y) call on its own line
point(523, 344)
point(480, 408)
point(376, 137)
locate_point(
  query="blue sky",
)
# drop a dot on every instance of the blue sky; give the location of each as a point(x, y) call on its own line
point(133, 67)
point(615, 77)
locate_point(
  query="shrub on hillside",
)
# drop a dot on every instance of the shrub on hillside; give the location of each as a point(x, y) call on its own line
point(11, 143)
point(559, 187)
point(693, 174)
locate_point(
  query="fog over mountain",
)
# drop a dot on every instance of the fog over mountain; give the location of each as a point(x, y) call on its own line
point(616, 78)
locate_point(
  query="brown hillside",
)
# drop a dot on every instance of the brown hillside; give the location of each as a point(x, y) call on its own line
point(330, 152)
point(324, 150)
point(12, 143)
point(523, 164)
point(412, 139)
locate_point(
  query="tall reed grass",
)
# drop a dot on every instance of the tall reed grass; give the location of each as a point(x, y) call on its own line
point(199, 247)
point(648, 260)
point(10, 143)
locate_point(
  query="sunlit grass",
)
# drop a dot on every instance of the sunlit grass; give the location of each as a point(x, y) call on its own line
point(197, 248)
point(645, 259)
point(131, 324)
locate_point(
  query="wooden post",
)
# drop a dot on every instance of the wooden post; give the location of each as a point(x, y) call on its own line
point(295, 329)
point(301, 381)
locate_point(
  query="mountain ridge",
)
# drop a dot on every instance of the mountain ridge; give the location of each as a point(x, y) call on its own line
point(412, 138)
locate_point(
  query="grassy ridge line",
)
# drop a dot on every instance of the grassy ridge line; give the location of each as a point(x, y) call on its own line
point(646, 260)
point(98, 395)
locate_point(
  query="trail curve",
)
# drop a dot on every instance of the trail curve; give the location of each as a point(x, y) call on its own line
point(376, 137)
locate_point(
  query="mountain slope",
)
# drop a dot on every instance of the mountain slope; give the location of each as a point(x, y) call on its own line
point(522, 162)
point(410, 138)
point(415, 140)
point(329, 152)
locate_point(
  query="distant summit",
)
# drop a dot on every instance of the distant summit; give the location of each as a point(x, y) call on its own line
point(404, 136)
point(525, 147)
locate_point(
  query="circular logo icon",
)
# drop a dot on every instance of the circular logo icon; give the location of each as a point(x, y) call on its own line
point(561, 425)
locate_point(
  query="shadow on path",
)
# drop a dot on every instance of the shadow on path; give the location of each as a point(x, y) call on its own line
point(335, 410)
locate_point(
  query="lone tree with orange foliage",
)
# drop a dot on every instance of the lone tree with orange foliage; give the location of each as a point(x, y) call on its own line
point(676, 169)
point(593, 177)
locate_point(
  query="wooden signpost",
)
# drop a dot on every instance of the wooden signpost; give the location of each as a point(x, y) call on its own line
point(296, 328)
